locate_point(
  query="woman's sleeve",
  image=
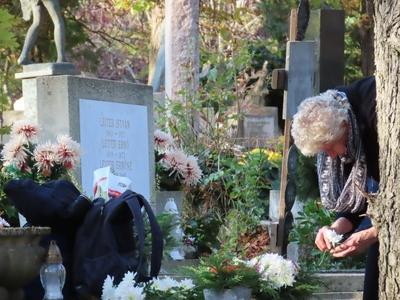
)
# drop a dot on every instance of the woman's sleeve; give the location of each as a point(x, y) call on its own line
point(355, 219)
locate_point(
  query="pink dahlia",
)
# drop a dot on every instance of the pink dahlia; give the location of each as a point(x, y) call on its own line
point(46, 158)
point(15, 153)
point(67, 151)
point(25, 129)
point(162, 140)
point(191, 171)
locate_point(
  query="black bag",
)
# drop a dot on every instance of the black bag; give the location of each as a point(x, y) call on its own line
point(59, 205)
point(105, 243)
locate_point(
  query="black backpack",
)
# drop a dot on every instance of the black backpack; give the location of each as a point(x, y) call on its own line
point(106, 245)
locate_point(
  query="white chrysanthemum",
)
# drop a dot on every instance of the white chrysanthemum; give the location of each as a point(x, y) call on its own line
point(333, 237)
point(15, 153)
point(130, 293)
point(127, 290)
point(46, 158)
point(25, 130)
point(168, 283)
point(187, 284)
point(274, 269)
point(162, 140)
point(67, 151)
point(108, 292)
point(164, 284)
point(174, 160)
point(191, 171)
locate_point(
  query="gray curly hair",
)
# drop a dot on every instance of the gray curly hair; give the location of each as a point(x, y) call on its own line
point(318, 121)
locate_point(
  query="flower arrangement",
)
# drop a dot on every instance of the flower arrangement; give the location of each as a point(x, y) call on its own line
point(165, 288)
point(222, 270)
point(274, 270)
point(174, 168)
point(22, 158)
point(125, 290)
point(269, 276)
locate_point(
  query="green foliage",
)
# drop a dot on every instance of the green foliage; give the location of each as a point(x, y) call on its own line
point(8, 210)
point(276, 15)
point(221, 270)
point(174, 293)
point(167, 224)
point(306, 178)
point(352, 50)
point(313, 217)
point(204, 230)
point(7, 36)
point(136, 6)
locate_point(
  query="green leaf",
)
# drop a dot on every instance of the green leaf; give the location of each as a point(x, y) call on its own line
point(7, 37)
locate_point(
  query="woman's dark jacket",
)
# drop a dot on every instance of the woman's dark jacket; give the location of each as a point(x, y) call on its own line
point(362, 97)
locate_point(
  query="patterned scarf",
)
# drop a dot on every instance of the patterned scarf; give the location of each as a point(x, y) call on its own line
point(338, 193)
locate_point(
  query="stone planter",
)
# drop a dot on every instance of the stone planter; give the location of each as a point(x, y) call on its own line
point(20, 259)
point(236, 293)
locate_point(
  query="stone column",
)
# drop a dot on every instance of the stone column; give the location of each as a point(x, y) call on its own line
point(181, 48)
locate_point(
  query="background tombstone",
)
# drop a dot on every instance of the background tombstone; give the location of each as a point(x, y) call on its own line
point(112, 120)
point(260, 124)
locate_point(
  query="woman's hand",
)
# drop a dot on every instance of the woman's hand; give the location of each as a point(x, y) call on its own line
point(356, 243)
point(322, 240)
point(340, 226)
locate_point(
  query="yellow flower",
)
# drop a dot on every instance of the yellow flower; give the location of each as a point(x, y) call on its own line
point(274, 157)
point(259, 151)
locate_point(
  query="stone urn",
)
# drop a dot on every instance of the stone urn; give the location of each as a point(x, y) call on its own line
point(20, 259)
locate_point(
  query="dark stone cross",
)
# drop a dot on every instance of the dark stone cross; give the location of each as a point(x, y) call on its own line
point(311, 65)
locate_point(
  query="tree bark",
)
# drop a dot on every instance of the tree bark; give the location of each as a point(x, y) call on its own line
point(385, 210)
point(182, 52)
point(366, 31)
point(156, 21)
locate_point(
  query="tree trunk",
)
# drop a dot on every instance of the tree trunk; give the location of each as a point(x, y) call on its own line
point(385, 210)
point(156, 21)
point(366, 31)
point(182, 52)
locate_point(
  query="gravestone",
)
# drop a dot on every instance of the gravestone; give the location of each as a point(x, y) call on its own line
point(113, 122)
point(261, 124)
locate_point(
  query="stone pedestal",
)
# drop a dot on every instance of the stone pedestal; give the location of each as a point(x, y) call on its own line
point(112, 120)
point(47, 69)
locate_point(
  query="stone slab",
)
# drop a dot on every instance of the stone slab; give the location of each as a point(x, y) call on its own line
point(341, 282)
point(46, 69)
point(337, 296)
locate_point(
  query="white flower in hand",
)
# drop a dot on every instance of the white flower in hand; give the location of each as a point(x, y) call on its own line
point(333, 237)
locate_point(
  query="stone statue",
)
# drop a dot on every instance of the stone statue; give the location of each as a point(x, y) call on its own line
point(35, 8)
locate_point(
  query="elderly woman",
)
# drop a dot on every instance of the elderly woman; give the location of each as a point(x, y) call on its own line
point(34, 8)
point(340, 127)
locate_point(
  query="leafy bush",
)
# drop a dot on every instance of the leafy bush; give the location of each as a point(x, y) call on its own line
point(313, 217)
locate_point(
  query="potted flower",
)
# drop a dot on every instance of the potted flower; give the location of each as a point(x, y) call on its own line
point(23, 158)
point(223, 276)
point(175, 170)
